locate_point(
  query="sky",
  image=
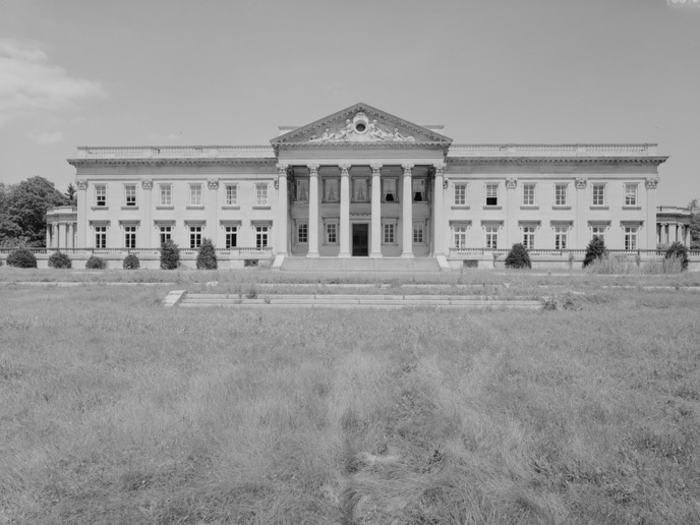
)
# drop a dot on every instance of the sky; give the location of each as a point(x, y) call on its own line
point(229, 72)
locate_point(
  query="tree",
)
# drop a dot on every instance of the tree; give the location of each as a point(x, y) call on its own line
point(678, 251)
point(694, 207)
point(71, 194)
point(169, 255)
point(594, 251)
point(21, 258)
point(206, 258)
point(518, 257)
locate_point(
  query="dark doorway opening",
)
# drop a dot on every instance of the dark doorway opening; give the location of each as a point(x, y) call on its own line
point(360, 240)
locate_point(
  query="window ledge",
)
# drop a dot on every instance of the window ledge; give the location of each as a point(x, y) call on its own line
point(460, 207)
point(230, 207)
point(195, 207)
point(561, 207)
point(631, 207)
point(99, 208)
point(130, 207)
point(530, 207)
point(593, 207)
point(262, 207)
point(165, 207)
point(487, 207)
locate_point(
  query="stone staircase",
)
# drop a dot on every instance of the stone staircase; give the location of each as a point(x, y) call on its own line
point(361, 264)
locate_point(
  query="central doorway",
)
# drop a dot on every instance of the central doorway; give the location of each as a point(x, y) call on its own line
point(360, 240)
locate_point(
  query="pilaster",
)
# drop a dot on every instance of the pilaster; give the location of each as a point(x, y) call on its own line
point(344, 210)
point(145, 229)
point(83, 206)
point(282, 224)
point(438, 209)
point(580, 240)
point(313, 211)
point(407, 215)
point(376, 212)
point(650, 222)
point(511, 222)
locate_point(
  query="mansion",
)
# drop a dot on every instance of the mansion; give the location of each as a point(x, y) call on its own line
point(364, 183)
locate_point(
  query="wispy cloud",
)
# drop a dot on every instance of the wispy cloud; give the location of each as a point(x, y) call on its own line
point(45, 137)
point(29, 82)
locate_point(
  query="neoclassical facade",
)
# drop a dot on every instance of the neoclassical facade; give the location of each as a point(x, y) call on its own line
point(365, 183)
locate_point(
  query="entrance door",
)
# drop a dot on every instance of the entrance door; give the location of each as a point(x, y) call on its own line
point(360, 240)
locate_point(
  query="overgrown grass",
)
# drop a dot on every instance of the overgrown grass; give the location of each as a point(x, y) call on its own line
point(116, 410)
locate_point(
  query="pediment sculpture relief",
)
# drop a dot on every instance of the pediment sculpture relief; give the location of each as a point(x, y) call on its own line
point(361, 129)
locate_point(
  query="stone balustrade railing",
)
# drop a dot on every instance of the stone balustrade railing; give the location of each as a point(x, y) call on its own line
point(552, 150)
point(174, 152)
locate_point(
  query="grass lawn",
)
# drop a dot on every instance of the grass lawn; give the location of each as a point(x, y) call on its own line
point(117, 410)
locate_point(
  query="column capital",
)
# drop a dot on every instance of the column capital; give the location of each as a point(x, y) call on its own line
point(439, 168)
point(81, 184)
point(376, 168)
point(313, 169)
point(282, 169)
point(344, 168)
point(407, 167)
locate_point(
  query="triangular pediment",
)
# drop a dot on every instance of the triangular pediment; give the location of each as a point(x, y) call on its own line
point(361, 124)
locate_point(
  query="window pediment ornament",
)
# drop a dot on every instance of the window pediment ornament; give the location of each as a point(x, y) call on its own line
point(581, 183)
point(651, 183)
point(147, 184)
point(81, 184)
point(213, 184)
point(511, 183)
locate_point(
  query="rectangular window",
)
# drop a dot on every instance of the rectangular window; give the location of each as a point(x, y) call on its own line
point(528, 194)
point(261, 236)
point(560, 234)
point(166, 233)
point(560, 191)
point(359, 190)
point(418, 187)
point(331, 233)
point(630, 194)
point(302, 190)
point(418, 233)
point(389, 233)
point(599, 195)
point(529, 237)
point(389, 190)
point(460, 237)
point(330, 190)
point(101, 195)
point(130, 236)
point(166, 195)
point(130, 195)
point(261, 197)
point(631, 237)
point(492, 195)
point(195, 236)
point(492, 237)
point(460, 194)
point(231, 236)
point(598, 232)
point(303, 233)
point(100, 236)
point(195, 194)
point(232, 195)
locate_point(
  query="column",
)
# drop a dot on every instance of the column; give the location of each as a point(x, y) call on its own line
point(83, 204)
point(344, 210)
point(48, 236)
point(438, 209)
point(212, 207)
point(650, 222)
point(60, 238)
point(282, 214)
point(313, 210)
point(407, 215)
point(376, 212)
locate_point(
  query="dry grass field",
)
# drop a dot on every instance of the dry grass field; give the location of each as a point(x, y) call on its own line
point(116, 410)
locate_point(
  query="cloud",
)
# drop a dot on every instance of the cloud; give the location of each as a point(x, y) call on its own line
point(46, 137)
point(29, 83)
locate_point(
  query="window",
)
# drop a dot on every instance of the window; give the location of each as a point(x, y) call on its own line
point(330, 190)
point(599, 195)
point(195, 194)
point(560, 191)
point(630, 194)
point(560, 233)
point(100, 236)
point(332, 233)
point(165, 234)
point(492, 195)
point(528, 194)
point(389, 190)
point(389, 233)
point(231, 236)
point(101, 195)
point(598, 232)
point(261, 236)
point(460, 194)
point(261, 197)
point(460, 237)
point(130, 236)
point(418, 233)
point(302, 190)
point(529, 237)
point(166, 195)
point(232, 195)
point(631, 237)
point(130, 195)
point(359, 190)
point(195, 236)
point(418, 187)
point(492, 237)
point(303, 233)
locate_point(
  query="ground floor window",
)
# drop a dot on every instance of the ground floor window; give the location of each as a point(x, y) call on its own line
point(492, 237)
point(460, 237)
point(331, 233)
point(100, 236)
point(231, 236)
point(529, 237)
point(302, 233)
point(166, 234)
point(130, 236)
point(598, 232)
point(195, 236)
point(261, 234)
point(389, 233)
point(560, 234)
point(418, 233)
point(631, 237)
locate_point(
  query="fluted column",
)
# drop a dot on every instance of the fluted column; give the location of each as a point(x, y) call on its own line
point(407, 216)
point(438, 203)
point(282, 214)
point(344, 210)
point(313, 210)
point(376, 212)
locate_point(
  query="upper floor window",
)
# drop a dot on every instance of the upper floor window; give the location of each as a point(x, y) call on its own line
point(528, 194)
point(360, 190)
point(418, 187)
point(460, 194)
point(492, 195)
point(560, 194)
point(231, 194)
point(166, 195)
point(598, 194)
point(130, 195)
point(330, 190)
point(389, 190)
point(195, 194)
point(301, 190)
point(261, 195)
point(630, 194)
point(100, 195)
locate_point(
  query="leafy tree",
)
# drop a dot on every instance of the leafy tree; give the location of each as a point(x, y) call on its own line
point(71, 194)
point(131, 262)
point(518, 257)
point(21, 258)
point(169, 255)
point(594, 251)
point(59, 260)
point(206, 258)
point(694, 207)
point(679, 251)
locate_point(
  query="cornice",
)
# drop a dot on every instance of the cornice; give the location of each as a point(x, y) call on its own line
point(361, 145)
point(556, 160)
point(172, 162)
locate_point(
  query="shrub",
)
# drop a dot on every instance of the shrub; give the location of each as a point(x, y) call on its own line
point(518, 257)
point(131, 262)
point(95, 263)
point(60, 260)
point(678, 251)
point(21, 258)
point(206, 258)
point(595, 251)
point(169, 255)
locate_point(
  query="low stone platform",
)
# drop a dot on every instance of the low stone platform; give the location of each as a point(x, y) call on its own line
point(361, 264)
